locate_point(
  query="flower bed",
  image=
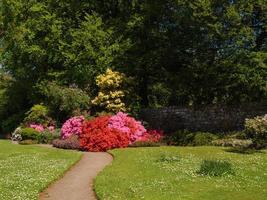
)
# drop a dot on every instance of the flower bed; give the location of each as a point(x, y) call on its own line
point(117, 131)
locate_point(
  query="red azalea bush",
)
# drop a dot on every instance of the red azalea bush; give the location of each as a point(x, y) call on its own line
point(117, 131)
point(98, 136)
point(152, 136)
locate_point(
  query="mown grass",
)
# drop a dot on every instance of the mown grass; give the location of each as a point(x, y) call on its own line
point(171, 173)
point(27, 170)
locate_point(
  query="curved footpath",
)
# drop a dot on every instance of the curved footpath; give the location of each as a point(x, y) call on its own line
point(77, 183)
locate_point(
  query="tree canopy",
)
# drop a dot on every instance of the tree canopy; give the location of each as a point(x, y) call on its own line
point(178, 52)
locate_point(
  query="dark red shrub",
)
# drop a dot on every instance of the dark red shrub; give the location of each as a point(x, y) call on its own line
point(152, 136)
point(97, 136)
point(69, 143)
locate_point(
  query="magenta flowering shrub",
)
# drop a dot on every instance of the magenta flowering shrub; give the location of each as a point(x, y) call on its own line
point(72, 126)
point(51, 128)
point(128, 125)
point(41, 128)
point(38, 127)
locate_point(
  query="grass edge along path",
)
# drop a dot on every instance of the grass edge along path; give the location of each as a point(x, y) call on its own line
point(27, 170)
point(77, 183)
point(171, 173)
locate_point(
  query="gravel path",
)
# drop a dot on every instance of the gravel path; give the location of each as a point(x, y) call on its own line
point(77, 183)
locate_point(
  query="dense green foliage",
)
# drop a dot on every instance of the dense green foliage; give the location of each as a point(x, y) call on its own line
point(29, 134)
point(30, 169)
point(172, 173)
point(37, 114)
point(181, 52)
point(64, 102)
point(187, 138)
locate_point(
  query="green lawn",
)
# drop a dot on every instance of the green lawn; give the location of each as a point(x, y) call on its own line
point(27, 170)
point(170, 173)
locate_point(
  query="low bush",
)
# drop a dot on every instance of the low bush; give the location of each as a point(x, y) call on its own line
point(179, 138)
point(127, 125)
point(69, 143)
point(215, 168)
point(16, 135)
point(107, 132)
point(38, 127)
point(57, 133)
point(186, 138)
point(202, 138)
point(98, 136)
point(46, 137)
point(236, 135)
point(242, 150)
point(256, 130)
point(153, 136)
point(29, 134)
point(231, 142)
point(72, 126)
point(144, 144)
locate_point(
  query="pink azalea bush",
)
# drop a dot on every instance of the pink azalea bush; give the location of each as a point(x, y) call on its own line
point(41, 128)
point(72, 126)
point(38, 127)
point(128, 125)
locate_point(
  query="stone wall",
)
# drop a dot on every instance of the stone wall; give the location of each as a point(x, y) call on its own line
point(209, 118)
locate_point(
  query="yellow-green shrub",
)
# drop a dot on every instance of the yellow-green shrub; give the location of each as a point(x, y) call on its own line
point(110, 94)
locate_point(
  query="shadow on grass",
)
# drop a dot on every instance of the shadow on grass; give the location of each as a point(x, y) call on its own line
point(243, 150)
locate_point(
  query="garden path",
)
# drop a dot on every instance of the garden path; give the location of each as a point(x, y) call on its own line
point(77, 183)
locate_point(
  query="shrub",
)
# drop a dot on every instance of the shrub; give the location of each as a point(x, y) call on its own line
point(153, 136)
point(57, 133)
point(215, 168)
point(46, 137)
point(110, 94)
point(242, 150)
point(38, 114)
point(128, 125)
point(180, 138)
point(231, 142)
point(72, 126)
point(144, 144)
point(29, 134)
point(256, 129)
point(236, 135)
point(98, 136)
point(70, 143)
point(184, 138)
point(202, 138)
point(37, 127)
point(107, 132)
point(16, 135)
point(65, 101)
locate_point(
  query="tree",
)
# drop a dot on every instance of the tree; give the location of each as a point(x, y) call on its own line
point(202, 51)
point(180, 52)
